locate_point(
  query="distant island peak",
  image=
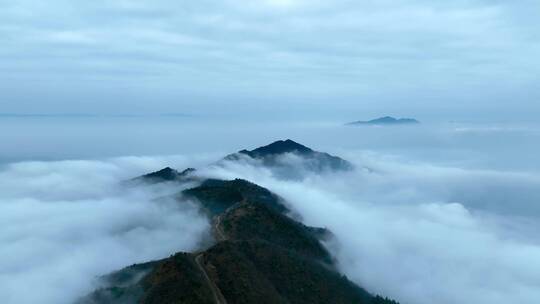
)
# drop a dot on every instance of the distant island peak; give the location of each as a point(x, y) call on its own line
point(386, 120)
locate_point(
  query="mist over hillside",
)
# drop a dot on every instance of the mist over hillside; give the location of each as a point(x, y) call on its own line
point(427, 215)
point(269, 152)
point(463, 143)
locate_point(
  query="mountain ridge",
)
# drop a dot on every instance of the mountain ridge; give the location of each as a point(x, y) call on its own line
point(261, 252)
point(262, 256)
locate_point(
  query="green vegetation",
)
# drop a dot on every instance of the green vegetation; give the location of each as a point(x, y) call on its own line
point(248, 221)
point(176, 280)
point(216, 196)
point(270, 155)
point(262, 255)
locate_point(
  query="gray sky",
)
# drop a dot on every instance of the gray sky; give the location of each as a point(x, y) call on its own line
point(455, 59)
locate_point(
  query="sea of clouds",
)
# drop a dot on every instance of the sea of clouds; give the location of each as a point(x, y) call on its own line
point(421, 233)
point(65, 223)
point(431, 215)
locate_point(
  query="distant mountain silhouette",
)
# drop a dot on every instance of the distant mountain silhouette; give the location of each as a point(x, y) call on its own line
point(278, 147)
point(271, 155)
point(387, 120)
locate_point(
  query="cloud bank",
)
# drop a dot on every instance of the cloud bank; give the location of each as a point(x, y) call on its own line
point(272, 55)
point(421, 233)
point(445, 214)
point(65, 223)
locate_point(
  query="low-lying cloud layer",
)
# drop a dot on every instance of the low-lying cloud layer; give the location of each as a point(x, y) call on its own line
point(65, 223)
point(421, 233)
point(432, 215)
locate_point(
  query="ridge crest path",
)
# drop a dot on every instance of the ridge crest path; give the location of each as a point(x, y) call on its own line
point(218, 296)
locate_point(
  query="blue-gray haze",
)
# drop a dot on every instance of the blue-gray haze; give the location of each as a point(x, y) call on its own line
point(463, 59)
point(96, 92)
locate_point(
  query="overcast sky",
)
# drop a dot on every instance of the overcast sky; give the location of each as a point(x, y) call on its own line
point(340, 58)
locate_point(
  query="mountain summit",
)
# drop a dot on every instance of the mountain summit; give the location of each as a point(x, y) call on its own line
point(287, 158)
point(278, 147)
point(275, 156)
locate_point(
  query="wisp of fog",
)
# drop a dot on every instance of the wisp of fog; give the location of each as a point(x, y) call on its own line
point(420, 233)
point(430, 214)
point(66, 223)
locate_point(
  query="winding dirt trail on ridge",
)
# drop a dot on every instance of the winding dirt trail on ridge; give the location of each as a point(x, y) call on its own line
point(218, 296)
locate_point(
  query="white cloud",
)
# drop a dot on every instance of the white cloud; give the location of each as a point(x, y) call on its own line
point(349, 51)
point(71, 37)
point(442, 217)
point(65, 223)
point(422, 233)
point(283, 3)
